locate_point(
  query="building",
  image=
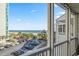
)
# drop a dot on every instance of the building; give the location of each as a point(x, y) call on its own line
point(60, 29)
point(3, 23)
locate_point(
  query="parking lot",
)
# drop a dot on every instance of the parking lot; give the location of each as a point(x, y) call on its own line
point(30, 46)
point(7, 51)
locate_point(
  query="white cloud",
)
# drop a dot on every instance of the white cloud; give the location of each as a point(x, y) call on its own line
point(34, 10)
point(57, 16)
point(18, 20)
point(63, 12)
point(27, 26)
point(56, 5)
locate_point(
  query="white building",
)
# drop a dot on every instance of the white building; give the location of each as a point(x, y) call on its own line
point(3, 23)
point(60, 29)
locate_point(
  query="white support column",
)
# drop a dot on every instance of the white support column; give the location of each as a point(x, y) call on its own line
point(68, 32)
point(51, 27)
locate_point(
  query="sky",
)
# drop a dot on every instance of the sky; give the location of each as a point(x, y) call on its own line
point(30, 16)
point(58, 12)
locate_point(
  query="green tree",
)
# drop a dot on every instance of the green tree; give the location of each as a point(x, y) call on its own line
point(42, 35)
point(25, 36)
point(39, 36)
point(12, 37)
point(30, 35)
point(19, 34)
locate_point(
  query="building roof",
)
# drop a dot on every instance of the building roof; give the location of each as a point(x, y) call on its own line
point(61, 20)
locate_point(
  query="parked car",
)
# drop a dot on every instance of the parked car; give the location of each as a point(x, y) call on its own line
point(29, 45)
point(23, 49)
point(17, 53)
point(20, 40)
point(1, 47)
point(35, 42)
point(8, 45)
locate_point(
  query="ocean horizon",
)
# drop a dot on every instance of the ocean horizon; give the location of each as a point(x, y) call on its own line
point(25, 30)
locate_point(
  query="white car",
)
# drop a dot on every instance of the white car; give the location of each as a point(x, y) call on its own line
point(8, 44)
point(1, 48)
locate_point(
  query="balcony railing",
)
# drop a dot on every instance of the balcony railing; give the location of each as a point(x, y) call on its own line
point(60, 49)
point(38, 52)
point(73, 44)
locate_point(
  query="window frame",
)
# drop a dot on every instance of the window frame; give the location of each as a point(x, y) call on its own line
point(61, 29)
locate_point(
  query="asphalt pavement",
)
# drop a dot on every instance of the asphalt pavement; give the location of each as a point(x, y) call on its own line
point(8, 51)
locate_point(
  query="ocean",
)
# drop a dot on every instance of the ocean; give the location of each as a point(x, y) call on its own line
point(34, 31)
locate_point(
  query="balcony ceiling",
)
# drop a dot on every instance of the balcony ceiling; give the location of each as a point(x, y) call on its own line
point(74, 7)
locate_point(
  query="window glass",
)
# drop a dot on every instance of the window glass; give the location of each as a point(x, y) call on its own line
point(59, 23)
point(63, 29)
point(60, 28)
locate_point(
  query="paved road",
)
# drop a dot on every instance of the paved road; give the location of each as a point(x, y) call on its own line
point(7, 51)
